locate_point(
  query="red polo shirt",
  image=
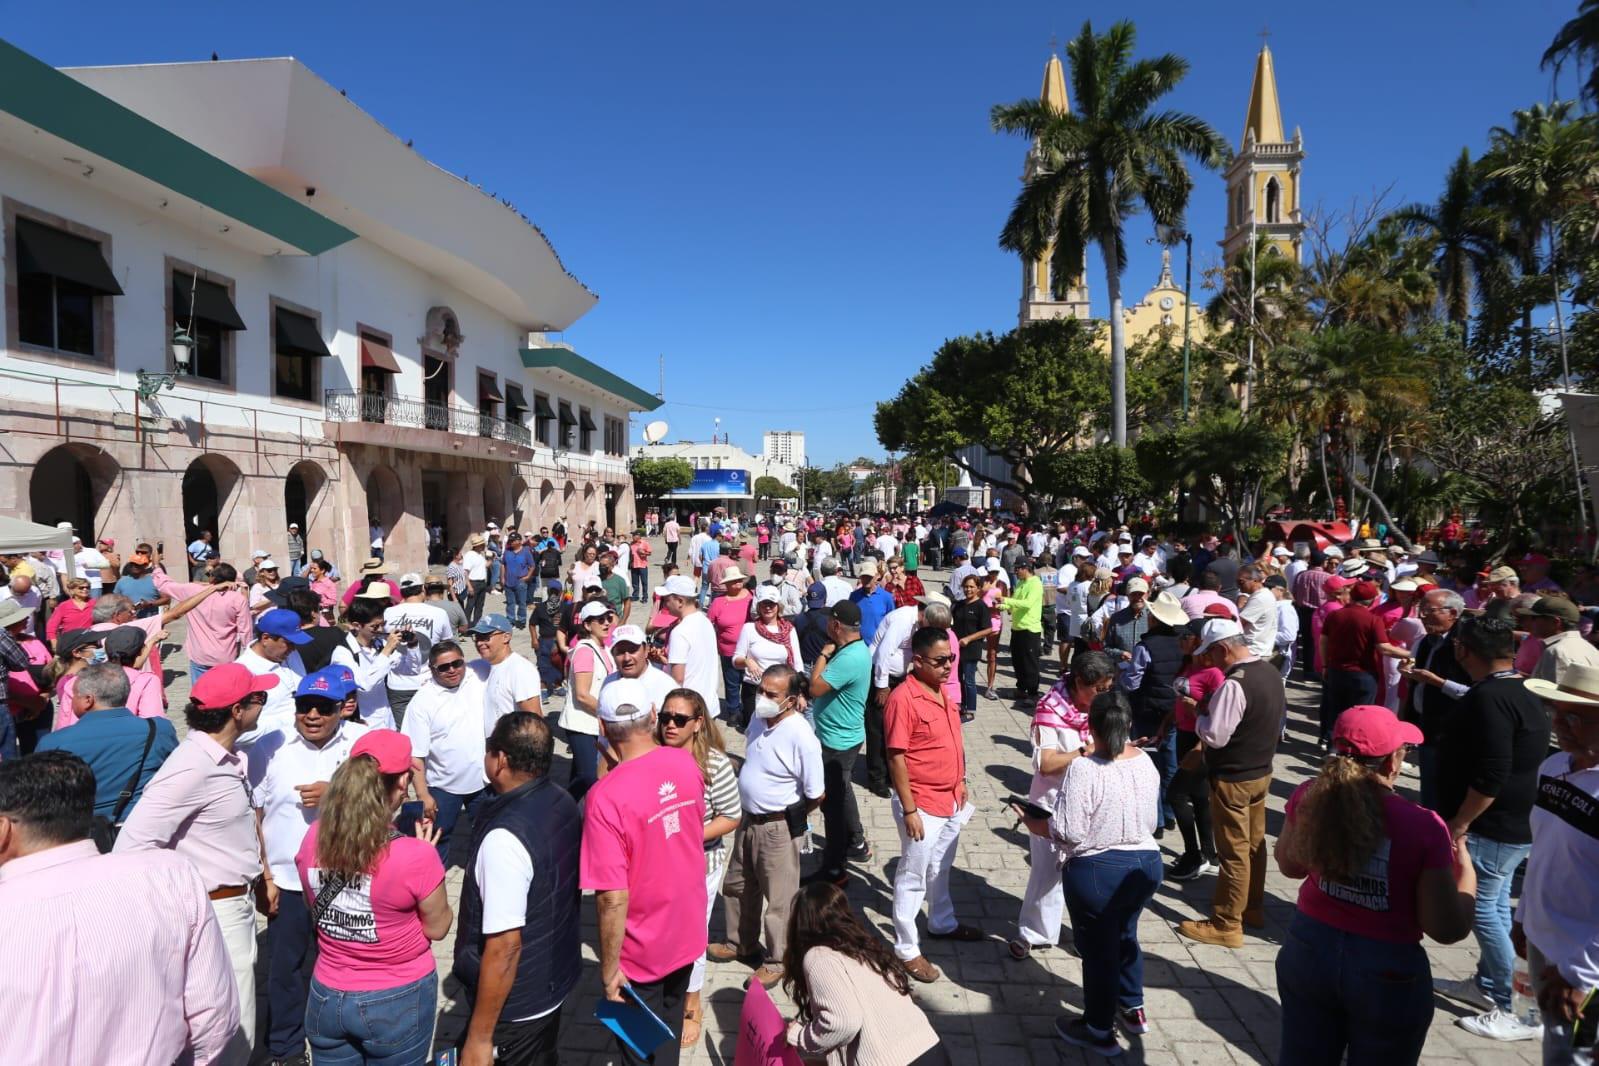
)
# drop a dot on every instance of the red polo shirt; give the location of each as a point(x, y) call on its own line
point(927, 728)
point(1351, 636)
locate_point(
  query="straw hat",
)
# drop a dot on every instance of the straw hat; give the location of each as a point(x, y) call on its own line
point(1579, 684)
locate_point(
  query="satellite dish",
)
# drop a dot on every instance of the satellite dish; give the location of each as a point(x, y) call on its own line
point(655, 431)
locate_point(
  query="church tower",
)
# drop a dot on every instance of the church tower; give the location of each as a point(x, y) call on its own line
point(1038, 302)
point(1263, 191)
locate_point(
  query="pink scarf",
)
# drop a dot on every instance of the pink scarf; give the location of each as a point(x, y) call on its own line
point(1056, 711)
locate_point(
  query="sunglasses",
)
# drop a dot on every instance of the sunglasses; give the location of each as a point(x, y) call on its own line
point(325, 712)
point(939, 660)
point(679, 721)
point(453, 664)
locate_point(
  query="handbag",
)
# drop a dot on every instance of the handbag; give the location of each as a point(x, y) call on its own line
point(104, 830)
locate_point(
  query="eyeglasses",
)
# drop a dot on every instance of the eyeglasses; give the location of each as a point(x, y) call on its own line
point(453, 664)
point(679, 721)
point(938, 660)
point(325, 712)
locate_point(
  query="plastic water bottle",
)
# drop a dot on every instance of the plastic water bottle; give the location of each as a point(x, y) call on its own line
point(1523, 1003)
point(808, 842)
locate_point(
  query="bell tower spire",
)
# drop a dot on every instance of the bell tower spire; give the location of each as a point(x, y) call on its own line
point(1263, 182)
point(1038, 299)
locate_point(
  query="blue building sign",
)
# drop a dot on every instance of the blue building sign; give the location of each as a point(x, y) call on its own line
point(718, 483)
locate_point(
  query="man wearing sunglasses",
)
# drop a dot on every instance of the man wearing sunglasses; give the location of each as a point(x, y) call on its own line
point(288, 770)
point(927, 764)
point(445, 726)
point(512, 682)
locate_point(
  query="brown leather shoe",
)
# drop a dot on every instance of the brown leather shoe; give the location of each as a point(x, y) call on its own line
point(768, 975)
point(726, 953)
point(922, 970)
point(1208, 932)
point(1255, 919)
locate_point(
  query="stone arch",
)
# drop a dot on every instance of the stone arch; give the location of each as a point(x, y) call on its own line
point(385, 499)
point(72, 483)
point(305, 501)
point(568, 493)
point(212, 488)
point(517, 506)
point(494, 500)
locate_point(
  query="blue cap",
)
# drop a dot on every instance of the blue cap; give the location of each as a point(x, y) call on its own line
point(816, 595)
point(960, 553)
point(281, 622)
point(331, 682)
point(492, 623)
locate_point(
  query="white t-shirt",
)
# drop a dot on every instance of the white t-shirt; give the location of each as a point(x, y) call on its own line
point(276, 767)
point(278, 713)
point(431, 625)
point(89, 563)
point(1259, 615)
point(693, 646)
point(1046, 787)
point(475, 565)
point(758, 652)
point(779, 763)
point(1148, 565)
point(445, 729)
point(657, 682)
point(1560, 895)
point(888, 544)
point(837, 588)
point(29, 601)
point(371, 669)
point(508, 683)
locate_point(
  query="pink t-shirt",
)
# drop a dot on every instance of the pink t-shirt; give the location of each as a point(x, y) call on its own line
point(144, 697)
point(1381, 903)
point(1202, 681)
point(371, 936)
point(640, 550)
point(1528, 654)
point(952, 687)
point(642, 835)
point(728, 615)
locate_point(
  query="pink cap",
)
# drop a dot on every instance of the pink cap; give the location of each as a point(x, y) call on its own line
point(225, 685)
point(1368, 729)
point(392, 750)
point(1336, 582)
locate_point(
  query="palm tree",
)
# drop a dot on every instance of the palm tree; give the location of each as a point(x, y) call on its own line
point(1385, 281)
point(1099, 165)
point(1578, 40)
point(1469, 237)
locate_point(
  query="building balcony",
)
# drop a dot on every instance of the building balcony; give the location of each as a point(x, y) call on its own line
point(362, 417)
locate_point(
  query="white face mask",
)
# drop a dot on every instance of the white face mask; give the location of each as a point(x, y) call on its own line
point(766, 707)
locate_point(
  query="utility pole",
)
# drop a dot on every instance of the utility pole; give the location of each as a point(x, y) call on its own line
point(1188, 310)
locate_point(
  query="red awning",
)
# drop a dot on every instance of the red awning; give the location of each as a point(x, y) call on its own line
point(1318, 535)
point(378, 356)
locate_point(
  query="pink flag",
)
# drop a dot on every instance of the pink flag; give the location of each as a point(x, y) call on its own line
point(760, 1032)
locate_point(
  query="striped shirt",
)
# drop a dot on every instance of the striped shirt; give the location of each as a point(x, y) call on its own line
point(84, 934)
point(721, 799)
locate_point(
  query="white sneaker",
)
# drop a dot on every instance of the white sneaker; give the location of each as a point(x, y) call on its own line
point(1500, 1025)
point(1207, 867)
point(1464, 990)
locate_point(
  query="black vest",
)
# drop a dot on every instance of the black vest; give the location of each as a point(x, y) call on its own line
point(545, 820)
point(1155, 696)
point(1247, 756)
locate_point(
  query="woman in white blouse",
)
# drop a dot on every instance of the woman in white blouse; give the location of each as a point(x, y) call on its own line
point(1104, 819)
point(769, 640)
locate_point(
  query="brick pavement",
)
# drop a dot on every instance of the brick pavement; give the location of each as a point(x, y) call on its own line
point(1207, 1005)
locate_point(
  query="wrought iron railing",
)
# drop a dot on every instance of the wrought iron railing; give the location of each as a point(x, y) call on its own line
point(351, 405)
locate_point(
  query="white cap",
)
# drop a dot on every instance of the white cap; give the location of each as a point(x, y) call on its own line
point(993, 566)
point(378, 590)
point(934, 597)
point(866, 568)
point(1333, 551)
point(1136, 584)
point(1282, 552)
point(266, 564)
point(1217, 629)
point(594, 609)
point(294, 525)
point(411, 580)
point(628, 635)
point(678, 585)
point(1081, 552)
point(767, 594)
point(257, 554)
point(627, 699)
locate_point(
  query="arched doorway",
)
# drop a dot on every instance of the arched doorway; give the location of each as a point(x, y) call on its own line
point(494, 501)
point(70, 484)
point(302, 502)
point(518, 504)
point(210, 486)
point(385, 500)
point(588, 503)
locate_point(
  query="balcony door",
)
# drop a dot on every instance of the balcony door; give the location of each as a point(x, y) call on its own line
point(436, 391)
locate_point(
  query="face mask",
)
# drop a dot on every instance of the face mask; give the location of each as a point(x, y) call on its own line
point(97, 655)
point(766, 707)
point(605, 569)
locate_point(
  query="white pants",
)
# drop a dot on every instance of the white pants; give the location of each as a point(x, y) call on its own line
point(236, 916)
point(715, 868)
point(1045, 900)
point(923, 872)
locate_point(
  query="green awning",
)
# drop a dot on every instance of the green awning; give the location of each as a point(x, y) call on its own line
point(488, 389)
point(211, 302)
point(515, 397)
point(585, 421)
point(541, 406)
point(566, 414)
point(298, 335)
point(43, 249)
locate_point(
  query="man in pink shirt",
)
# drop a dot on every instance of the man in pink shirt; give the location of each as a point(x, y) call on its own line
point(639, 564)
point(220, 627)
point(644, 858)
point(1207, 593)
point(112, 611)
point(59, 893)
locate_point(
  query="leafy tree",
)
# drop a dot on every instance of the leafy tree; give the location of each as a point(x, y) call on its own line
point(1578, 41)
point(1221, 458)
point(1107, 479)
point(654, 478)
point(1098, 166)
point(1467, 235)
point(767, 487)
point(1025, 394)
point(832, 484)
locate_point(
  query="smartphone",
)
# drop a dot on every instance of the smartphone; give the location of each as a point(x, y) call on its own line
point(1028, 807)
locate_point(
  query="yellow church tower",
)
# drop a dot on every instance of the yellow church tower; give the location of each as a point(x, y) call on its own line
point(1263, 191)
point(1038, 301)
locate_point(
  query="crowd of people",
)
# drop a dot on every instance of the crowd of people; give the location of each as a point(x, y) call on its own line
point(342, 747)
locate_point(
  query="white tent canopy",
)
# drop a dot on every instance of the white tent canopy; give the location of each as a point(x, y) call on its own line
point(18, 537)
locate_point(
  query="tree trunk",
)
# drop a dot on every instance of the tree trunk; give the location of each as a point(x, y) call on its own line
point(1118, 345)
point(1376, 501)
point(1326, 480)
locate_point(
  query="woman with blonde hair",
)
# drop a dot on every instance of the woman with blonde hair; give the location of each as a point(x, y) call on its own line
point(683, 723)
point(377, 903)
point(1379, 871)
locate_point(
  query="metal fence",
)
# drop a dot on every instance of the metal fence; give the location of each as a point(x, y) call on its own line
point(351, 405)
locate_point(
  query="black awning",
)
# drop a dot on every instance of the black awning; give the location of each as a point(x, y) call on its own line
point(298, 335)
point(44, 250)
point(585, 422)
point(541, 406)
point(211, 302)
point(566, 414)
point(488, 389)
point(514, 397)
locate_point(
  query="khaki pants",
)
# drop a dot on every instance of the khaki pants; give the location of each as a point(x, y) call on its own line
point(764, 867)
point(1238, 819)
point(236, 917)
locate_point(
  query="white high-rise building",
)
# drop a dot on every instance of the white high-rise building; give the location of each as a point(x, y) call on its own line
point(786, 446)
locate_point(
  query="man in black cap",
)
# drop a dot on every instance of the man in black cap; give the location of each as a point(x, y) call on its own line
point(1554, 620)
point(812, 623)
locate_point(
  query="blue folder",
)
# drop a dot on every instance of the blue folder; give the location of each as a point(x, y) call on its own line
point(633, 1022)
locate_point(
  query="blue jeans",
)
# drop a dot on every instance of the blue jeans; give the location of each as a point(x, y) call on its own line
point(288, 974)
point(969, 661)
point(641, 584)
point(1165, 756)
point(585, 762)
point(1344, 992)
point(516, 602)
point(196, 672)
point(732, 692)
point(1341, 690)
point(1427, 764)
point(548, 674)
point(1105, 894)
point(384, 1027)
point(1495, 864)
point(451, 805)
point(494, 572)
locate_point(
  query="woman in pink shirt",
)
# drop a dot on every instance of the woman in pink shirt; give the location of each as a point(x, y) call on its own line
point(1337, 588)
point(124, 646)
point(75, 612)
point(728, 613)
point(377, 903)
point(1379, 872)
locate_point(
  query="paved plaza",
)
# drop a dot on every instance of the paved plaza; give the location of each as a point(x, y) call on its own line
point(1206, 1004)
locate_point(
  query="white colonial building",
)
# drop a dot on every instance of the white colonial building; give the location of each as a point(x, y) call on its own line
point(368, 331)
point(724, 474)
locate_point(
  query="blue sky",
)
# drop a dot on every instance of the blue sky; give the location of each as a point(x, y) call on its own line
point(795, 207)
